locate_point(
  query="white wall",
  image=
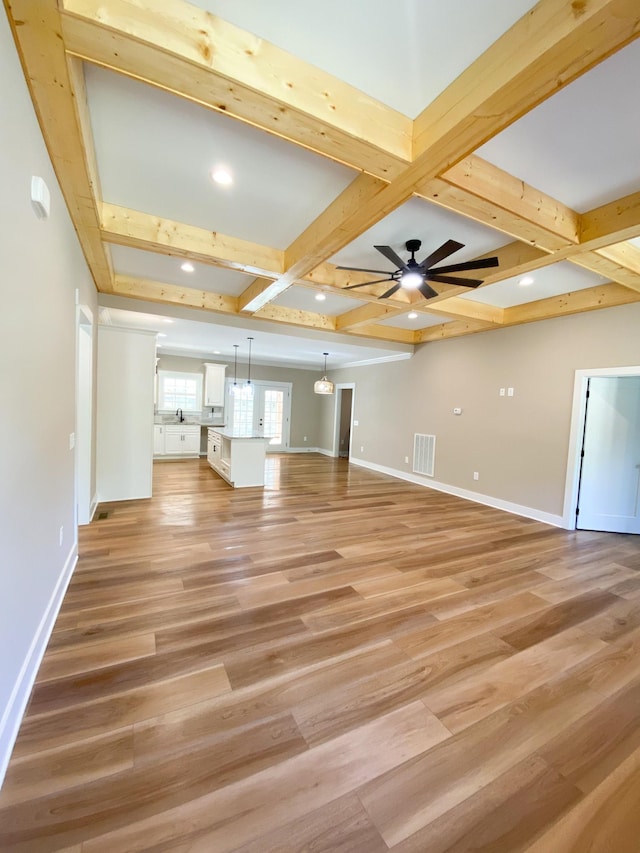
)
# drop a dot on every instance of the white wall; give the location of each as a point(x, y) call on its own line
point(518, 445)
point(41, 265)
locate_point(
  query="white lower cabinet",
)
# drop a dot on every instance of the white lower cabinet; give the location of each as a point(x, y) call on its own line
point(158, 440)
point(181, 440)
point(237, 459)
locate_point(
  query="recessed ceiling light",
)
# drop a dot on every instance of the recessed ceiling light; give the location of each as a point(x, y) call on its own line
point(161, 335)
point(216, 352)
point(412, 315)
point(527, 280)
point(221, 176)
point(320, 297)
point(167, 320)
point(187, 266)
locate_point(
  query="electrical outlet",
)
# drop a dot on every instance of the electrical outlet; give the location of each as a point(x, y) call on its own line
point(476, 475)
point(305, 438)
point(509, 392)
point(61, 537)
point(502, 392)
point(356, 423)
point(406, 460)
point(361, 448)
point(72, 440)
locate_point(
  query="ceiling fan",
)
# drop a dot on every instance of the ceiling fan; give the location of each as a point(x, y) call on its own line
point(414, 276)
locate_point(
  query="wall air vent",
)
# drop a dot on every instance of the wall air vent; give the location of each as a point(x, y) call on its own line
point(424, 453)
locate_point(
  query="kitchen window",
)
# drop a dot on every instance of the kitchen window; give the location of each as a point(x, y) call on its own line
point(178, 390)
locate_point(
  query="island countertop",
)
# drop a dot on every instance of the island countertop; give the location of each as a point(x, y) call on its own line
point(238, 437)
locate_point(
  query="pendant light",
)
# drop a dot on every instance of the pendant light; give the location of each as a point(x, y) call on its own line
point(324, 385)
point(235, 388)
point(248, 388)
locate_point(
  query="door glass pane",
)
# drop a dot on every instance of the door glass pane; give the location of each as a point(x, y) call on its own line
point(273, 414)
point(242, 411)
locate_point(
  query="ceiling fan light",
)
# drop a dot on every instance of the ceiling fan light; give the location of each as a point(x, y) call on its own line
point(411, 280)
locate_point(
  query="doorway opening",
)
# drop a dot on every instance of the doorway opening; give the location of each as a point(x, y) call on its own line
point(84, 416)
point(603, 472)
point(343, 423)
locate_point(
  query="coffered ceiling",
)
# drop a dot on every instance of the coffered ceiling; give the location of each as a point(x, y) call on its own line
point(505, 125)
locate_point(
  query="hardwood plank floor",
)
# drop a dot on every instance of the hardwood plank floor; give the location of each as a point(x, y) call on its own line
point(339, 662)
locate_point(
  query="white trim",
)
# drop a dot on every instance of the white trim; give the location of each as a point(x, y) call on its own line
point(93, 507)
point(341, 386)
point(325, 452)
point(476, 497)
point(401, 356)
point(578, 414)
point(298, 450)
point(17, 704)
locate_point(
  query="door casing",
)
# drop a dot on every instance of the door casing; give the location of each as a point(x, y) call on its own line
point(578, 415)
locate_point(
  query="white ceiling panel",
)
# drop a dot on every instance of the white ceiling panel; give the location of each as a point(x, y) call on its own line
point(580, 146)
point(303, 299)
point(422, 321)
point(553, 280)
point(419, 219)
point(155, 152)
point(402, 53)
point(166, 268)
point(271, 344)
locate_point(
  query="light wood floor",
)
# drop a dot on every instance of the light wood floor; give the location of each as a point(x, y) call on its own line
point(341, 662)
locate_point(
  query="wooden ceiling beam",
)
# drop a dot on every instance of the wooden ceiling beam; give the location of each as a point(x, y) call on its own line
point(139, 230)
point(59, 98)
point(576, 302)
point(171, 294)
point(611, 223)
point(559, 224)
point(365, 315)
point(190, 52)
point(542, 52)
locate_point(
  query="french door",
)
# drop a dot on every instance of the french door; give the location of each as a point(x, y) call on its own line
point(263, 409)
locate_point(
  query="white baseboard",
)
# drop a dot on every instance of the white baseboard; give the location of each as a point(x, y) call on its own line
point(325, 452)
point(93, 507)
point(14, 712)
point(298, 450)
point(476, 497)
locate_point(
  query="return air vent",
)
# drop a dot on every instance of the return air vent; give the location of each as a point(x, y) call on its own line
point(424, 452)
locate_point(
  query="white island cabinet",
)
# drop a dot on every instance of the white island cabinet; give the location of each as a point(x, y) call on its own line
point(238, 459)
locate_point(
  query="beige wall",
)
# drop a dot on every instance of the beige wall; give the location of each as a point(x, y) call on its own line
point(304, 403)
point(518, 445)
point(42, 266)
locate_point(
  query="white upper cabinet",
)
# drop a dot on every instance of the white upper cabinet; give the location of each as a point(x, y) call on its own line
point(214, 375)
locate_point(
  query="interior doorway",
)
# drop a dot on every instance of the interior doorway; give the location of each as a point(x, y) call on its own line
point(603, 474)
point(84, 415)
point(343, 424)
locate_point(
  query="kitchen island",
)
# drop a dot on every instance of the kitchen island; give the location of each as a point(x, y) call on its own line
point(238, 459)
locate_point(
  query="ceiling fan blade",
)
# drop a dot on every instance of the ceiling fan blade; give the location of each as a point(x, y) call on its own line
point(440, 254)
point(390, 292)
point(365, 283)
point(426, 291)
point(361, 269)
point(390, 255)
point(450, 279)
point(480, 264)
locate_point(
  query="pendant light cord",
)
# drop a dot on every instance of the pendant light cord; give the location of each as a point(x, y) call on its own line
point(249, 369)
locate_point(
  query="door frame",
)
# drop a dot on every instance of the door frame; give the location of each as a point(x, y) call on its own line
point(85, 498)
point(578, 417)
point(335, 444)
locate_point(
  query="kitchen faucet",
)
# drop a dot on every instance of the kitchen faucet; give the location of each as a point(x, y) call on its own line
point(181, 415)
